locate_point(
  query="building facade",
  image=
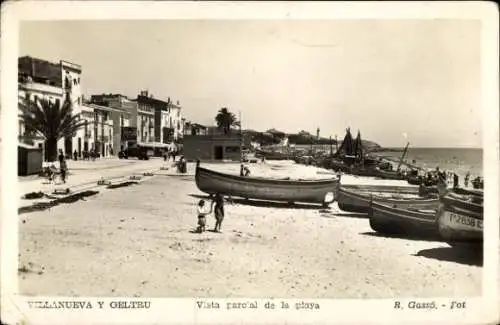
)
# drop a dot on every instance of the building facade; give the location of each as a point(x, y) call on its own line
point(41, 79)
point(121, 112)
point(146, 122)
point(103, 129)
point(210, 144)
point(176, 120)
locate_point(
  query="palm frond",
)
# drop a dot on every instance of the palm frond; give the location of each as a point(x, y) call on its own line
point(53, 120)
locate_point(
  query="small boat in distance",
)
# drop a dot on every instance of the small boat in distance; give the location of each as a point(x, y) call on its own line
point(460, 219)
point(414, 221)
point(281, 190)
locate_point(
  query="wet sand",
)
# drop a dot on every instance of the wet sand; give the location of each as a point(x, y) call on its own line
point(138, 241)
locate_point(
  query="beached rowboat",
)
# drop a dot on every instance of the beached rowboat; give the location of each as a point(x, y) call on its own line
point(418, 220)
point(284, 190)
point(354, 199)
point(460, 219)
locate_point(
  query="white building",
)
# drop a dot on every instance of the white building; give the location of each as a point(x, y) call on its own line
point(176, 120)
point(40, 79)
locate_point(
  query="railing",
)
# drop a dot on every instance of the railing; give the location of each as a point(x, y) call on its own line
point(44, 88)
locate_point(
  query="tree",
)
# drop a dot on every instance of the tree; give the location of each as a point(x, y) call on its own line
point(225, 120)
point(52, 120)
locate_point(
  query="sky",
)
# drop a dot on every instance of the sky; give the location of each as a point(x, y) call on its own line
point(394, 80)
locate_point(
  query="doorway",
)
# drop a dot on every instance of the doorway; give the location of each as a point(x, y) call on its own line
point(79, 147)
point(218, 152)
point(68, 146)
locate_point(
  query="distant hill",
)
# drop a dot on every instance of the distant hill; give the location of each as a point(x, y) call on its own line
point(273, 136)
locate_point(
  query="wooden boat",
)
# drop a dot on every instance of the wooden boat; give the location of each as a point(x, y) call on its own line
point(356, 200)
point(468, 191)
point(284, 190)
point(417, 220)
point(460, 219)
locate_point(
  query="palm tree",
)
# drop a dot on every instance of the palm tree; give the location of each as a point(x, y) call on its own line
point(225, 120)
point(52, 120)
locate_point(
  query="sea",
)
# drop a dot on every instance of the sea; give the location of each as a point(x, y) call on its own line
point(457, 160)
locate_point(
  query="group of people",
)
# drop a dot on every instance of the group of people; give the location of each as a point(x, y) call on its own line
point(217, 206)
point(448, 178)
point(52, 171)
point(182, 165)
point(170, 153)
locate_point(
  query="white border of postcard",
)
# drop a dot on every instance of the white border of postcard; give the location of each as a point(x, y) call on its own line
point(479, 310)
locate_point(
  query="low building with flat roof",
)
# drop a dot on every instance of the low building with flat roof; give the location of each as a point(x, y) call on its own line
point(212, 145)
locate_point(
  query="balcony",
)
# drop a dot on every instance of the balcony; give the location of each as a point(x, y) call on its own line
point(36, 87)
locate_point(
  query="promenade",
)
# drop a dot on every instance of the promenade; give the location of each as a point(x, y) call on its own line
point(84, 173)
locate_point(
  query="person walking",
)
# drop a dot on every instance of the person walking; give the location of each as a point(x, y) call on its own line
point(64, 168)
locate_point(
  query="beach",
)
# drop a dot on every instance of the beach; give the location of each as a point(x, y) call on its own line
point(139, 241)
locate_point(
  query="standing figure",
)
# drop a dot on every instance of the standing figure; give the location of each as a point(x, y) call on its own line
point(60, 157)
point(202, 212)
point(466, 179)
point(455, 180)
point(75, 155)
point(218, 211)
point(441, 187)
point(62, 166)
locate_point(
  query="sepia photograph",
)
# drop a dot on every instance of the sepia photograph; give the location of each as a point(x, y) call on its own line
point(253, 158)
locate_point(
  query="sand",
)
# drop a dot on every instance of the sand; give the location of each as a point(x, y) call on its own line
point(138, 241)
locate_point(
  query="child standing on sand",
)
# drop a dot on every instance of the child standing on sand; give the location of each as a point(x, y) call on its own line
point(202, 212)
point(219, 211)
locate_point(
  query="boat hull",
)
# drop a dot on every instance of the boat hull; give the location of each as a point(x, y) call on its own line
point(307, 191)
point(403, 221)
point(352, 200)
point(460, 222)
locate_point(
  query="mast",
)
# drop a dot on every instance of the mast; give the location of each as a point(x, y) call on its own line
point(402, 156)
point(241, 139)
point(331, 147)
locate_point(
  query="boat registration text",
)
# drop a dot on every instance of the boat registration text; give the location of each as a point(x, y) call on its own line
point(464, 220)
